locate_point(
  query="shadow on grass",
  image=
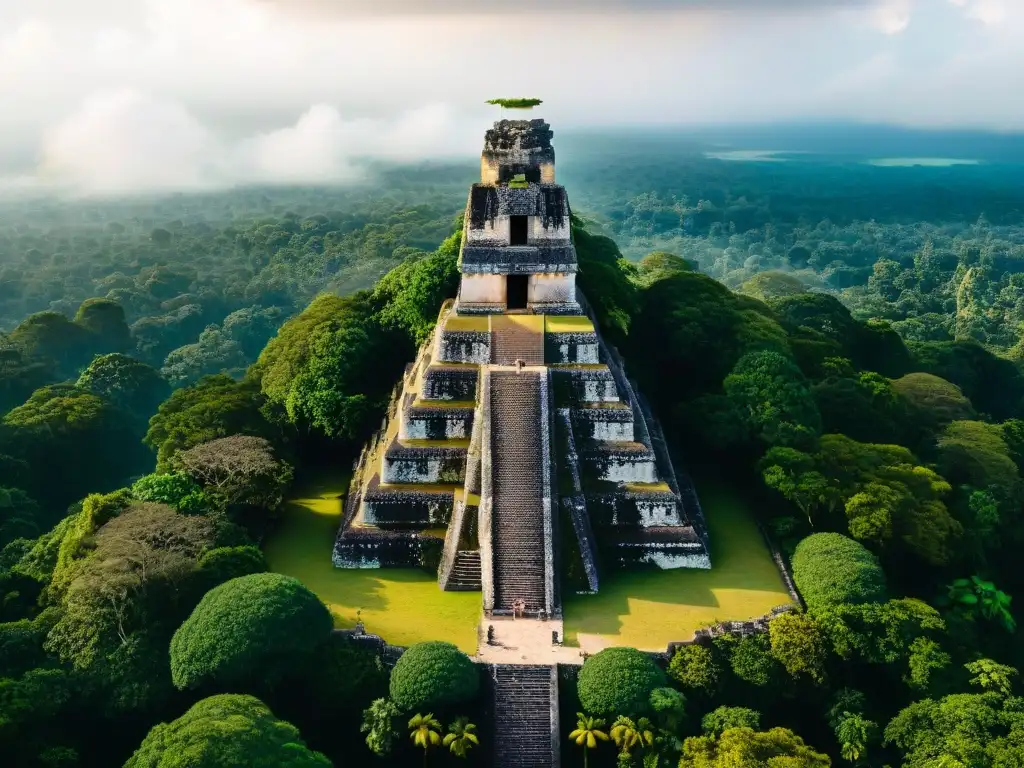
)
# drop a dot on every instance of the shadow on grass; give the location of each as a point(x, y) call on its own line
point(649, 609)
point(404, 605)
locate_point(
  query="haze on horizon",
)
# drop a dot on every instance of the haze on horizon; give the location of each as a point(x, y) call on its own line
point(115, 96)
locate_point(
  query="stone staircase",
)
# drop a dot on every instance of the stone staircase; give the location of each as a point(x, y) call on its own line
point(516, 471)
point(465, 572)
point(525, 716)
point(517, 337)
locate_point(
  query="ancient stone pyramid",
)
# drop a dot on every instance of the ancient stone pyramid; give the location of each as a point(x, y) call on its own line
point(514, 443)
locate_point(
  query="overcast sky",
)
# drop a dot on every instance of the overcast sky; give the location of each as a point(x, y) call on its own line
point(122, 95)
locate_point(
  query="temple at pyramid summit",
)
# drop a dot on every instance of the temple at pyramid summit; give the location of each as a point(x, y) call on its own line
point(515, 450)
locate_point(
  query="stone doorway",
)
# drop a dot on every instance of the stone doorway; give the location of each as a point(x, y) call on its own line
point(516, 291)
point(518, 230)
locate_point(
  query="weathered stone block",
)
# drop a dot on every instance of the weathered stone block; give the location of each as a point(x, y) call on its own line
point(440, 383)
point(464, 347)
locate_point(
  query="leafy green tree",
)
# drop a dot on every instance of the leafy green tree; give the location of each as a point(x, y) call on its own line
point(751, 749)
point(752, 662)
point(252, 327)
point(885, 494)
point(618, 680)
point(772, 397)
point(658, 264)
point(461, 737)
point(879, 632)
point(21, 375)
point(864, 406)
point(925, 659)
point(933, 401)
point(91, 442)
point(35, 707)
point(824, 314)
point(975, 454)
point(409, 297)
point(264, 622)
point(19, 515)
point(721, 719)
point(669, 708)
point(214, 352)
point(216, 406)
point(830, 568)
point(587, 733)
point(961, 729)
point(424, 732)
point(321, 365)
point(792, 473)
point(855, 734)
point(798, 644)
point(174, 488)
point(222, 564)
point(240, 470)
point(156, 335)
point(223, 732)
point(124, 599)
point(73, 537)
point(993, 384)
point(992, 676)
point(433, 674)
point(976, 596)
point(104, 320)
point(126, 382)
point(51, 336)
point(379, 726)
point(703, 328)
point(772, 284)
point(694, 668)
point(602, 280)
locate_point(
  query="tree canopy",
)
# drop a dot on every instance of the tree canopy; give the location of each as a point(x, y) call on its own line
point(250, 629)
point(830, 568)
point(618, 681)
point(433, 675)
point(223, 732)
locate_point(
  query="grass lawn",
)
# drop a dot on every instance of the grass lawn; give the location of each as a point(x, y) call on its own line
point(403, 605)
point(649, 609)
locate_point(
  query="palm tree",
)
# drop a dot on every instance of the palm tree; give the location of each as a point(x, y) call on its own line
point(423, 730)
point(628, 734)
point(588, 732)
point(854, 734)
point(461, 737)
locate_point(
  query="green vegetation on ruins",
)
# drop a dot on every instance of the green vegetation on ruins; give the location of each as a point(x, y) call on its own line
point(515, 103)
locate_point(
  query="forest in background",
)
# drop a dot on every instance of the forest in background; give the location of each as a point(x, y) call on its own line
point(887, 467)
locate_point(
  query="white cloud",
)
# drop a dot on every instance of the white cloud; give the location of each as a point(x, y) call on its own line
point(892, 16)
point(124, 141)
point(154, 94)
point(986, 11)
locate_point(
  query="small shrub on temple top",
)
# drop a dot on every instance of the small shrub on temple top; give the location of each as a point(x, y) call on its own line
point(515, 103)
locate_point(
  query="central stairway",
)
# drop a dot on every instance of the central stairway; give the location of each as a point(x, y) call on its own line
point(517, 337)
point(525, 716)
point(517, 471)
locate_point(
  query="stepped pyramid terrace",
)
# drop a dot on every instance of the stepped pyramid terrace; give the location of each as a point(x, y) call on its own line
point(515, 447)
